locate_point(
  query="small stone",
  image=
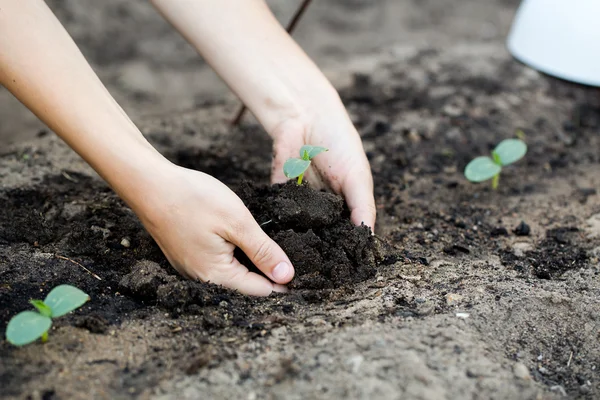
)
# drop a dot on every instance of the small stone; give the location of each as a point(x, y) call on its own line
point(452, 110)
point(413, 136)
point(543, 370)
point(521, 371)
point(559, 389)
point(423, 309)
point(125, 242)
point(593, 229)
point(449, 170)
point(453, 298)
point(499, 231)
point(462, 315)
point(520, 248)
point(586, 192)
point(522, 229)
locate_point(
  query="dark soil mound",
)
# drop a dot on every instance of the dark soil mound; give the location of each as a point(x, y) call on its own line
point(315, 231)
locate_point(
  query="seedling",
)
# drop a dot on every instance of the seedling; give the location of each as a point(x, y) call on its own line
point(27, 326)
point(483, 168)
point(296, 167)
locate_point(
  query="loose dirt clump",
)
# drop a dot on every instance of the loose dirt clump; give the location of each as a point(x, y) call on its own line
point(315, 231)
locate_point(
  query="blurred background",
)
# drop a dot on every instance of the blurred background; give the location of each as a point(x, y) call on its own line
point(151, 70)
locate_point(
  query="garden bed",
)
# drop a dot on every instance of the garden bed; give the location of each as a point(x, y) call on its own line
point(465, 292)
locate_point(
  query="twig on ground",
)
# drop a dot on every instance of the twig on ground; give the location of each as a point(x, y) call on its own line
point(78, 264)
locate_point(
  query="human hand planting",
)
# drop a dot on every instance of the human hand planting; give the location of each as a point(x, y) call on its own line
point(344, 168)
point(197, 221)
point(284, 89)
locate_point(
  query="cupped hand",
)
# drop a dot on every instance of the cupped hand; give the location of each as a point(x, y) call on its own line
point(343, 169)
point(197, 221)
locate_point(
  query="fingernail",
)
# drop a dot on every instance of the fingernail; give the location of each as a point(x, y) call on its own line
point(281, 271)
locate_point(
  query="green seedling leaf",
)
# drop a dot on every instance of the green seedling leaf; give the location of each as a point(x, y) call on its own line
point(510, 150)
point(311, 151)
point(42, 307)
point(294, 167)
point(65, 298)
point(481, 169)
point(27, 327)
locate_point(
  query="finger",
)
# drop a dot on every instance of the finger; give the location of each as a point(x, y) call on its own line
point(237, 277)
point(277, 175)
point(358, 192)
point(287, 146)
point(264, 253)
point(280, 288)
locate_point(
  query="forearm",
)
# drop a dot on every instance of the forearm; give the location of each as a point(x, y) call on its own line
point(250, 50)
point(44, 69)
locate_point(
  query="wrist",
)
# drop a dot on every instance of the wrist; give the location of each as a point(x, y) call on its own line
point(297, 104)
point(134, 171)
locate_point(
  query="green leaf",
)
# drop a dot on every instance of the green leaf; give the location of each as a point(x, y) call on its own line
point(311, 151)
point(42, 307)
point(27, 327)
point(64, 299)
point(481, 169)
point(510, 150)
point(294, 167)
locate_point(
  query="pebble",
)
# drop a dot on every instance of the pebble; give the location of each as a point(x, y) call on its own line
point(452, 110)
point(593, 230)
point(125, 242)
point(453, 298)
point(521, 371)
point(520, 248)
point(424, 309)
point(522, 229)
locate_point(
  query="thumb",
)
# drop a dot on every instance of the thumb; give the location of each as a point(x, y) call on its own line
point(264, 253)
point(358, 191)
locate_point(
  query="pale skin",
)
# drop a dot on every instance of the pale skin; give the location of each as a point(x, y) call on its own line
point(195, 219)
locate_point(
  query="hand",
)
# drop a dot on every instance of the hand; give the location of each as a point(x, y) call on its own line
point(344, 168)
point(197, 222)
point(283, 88)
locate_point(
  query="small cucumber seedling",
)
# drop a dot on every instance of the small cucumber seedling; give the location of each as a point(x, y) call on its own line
point(28, 326)
point(296, 167)
point(483, 168)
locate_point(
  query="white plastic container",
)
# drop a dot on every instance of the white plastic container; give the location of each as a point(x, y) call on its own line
point(559, 37)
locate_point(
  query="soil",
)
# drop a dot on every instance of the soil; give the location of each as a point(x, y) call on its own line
point(464, 291)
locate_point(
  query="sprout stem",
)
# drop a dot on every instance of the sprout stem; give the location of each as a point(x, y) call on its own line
point(45, 337)
point(495, 181)
point(300, 179)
